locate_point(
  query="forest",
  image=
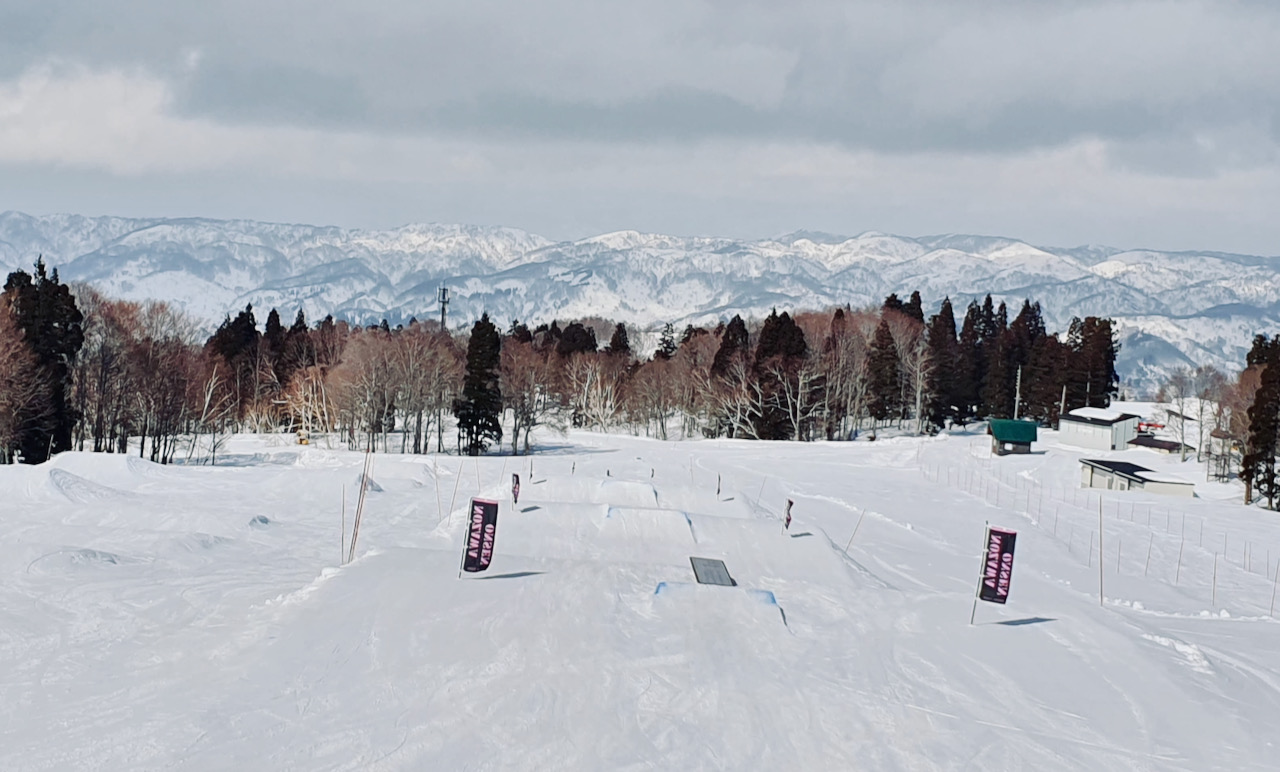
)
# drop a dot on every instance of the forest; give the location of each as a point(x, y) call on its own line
point(85, 372)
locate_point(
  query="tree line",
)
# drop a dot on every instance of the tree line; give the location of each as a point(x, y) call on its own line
point(81, 371)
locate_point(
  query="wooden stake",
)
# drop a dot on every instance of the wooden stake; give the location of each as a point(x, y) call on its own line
point(1151, 540)
point(1090, 557)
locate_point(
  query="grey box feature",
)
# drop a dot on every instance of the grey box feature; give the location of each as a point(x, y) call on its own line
point(712, 571)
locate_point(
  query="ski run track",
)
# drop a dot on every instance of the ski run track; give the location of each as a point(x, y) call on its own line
point(200, 618)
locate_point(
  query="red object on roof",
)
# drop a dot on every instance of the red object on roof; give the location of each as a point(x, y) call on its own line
point(1146, 426)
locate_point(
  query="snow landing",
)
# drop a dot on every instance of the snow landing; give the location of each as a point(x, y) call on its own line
point(195, 617)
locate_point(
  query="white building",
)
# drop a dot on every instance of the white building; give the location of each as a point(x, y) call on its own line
point(1124, 476)
point(1097, 428)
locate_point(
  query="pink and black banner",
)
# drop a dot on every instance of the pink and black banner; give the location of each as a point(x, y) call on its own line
point(515, 489)
point(482, 527)
point(787, 524)
point(997, 566)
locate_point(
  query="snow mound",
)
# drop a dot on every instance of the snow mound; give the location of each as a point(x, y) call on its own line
point(73, 559)
point(626, 493)
point(75, 488)
point(141, 467)
point(370, 483)
point(719, 607)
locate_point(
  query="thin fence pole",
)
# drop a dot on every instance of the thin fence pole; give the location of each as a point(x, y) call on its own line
point(342, 541)
point(457, 480)
point(1273, 590)
point(1178, 573)
point(1151, 540)
point(1215, 580)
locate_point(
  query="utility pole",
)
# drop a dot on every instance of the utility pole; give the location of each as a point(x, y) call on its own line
point(1017, 394)
point(443, 297)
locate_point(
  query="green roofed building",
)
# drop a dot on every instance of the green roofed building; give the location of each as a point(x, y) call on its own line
point(1008, 436)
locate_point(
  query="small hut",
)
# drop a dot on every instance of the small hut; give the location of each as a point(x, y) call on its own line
point(1010, 436)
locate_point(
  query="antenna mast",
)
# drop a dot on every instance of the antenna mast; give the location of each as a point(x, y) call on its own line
point(443, 297)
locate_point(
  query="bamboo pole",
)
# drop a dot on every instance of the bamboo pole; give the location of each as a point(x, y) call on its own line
point(342, 540)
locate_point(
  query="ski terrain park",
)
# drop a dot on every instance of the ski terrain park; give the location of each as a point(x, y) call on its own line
point(204, 617)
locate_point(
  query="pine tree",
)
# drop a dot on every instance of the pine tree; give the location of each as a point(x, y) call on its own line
point(885, 378)
point(944, 351)
point(779, 354)
point(618, 342)
point(479, 410)
point(914, 307)
point(666, 343)
point(576, 338)
point(971, 366)
point(45, 310)
point(733, 345)
point(1258, 467)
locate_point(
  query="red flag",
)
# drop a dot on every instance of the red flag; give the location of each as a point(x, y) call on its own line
point(787, 524)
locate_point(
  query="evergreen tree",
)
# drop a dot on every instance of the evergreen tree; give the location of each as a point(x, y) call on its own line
point(1258, 467)
point(734, 342)
point(576, 338)
point(618, 342)
point(479, 410)
point(45, 310)
point(944, 352)
point(914, 308)
point(891, 303)
point(520, 332)
point(779, 354)
point(1092, 377)
point(884, 376)
point(971, 366)
point(666, 343)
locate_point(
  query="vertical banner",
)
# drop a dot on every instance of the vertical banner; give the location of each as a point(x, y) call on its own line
point(787, 523)
point(997, 570)
point(515, 489)
point(482, 527)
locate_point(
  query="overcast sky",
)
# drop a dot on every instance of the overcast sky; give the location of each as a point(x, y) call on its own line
point(1127, 123)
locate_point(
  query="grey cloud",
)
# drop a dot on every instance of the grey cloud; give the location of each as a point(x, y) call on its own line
point(905, 76)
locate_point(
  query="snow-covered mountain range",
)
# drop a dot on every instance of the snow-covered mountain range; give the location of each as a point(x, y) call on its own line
point(1173, 308)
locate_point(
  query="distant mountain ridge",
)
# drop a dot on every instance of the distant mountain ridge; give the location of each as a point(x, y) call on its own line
point(1173, 308)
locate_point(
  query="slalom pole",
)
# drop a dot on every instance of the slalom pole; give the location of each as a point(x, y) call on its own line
point(342, 540)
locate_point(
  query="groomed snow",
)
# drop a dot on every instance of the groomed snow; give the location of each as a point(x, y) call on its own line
point(196, 617)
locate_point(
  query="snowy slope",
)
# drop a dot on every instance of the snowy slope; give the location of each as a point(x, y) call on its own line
point(197, 617)
point(1174, 308)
